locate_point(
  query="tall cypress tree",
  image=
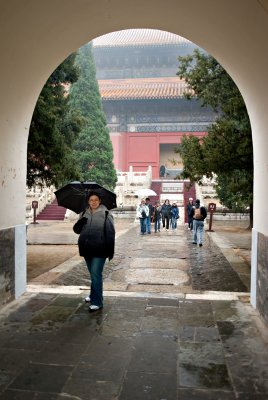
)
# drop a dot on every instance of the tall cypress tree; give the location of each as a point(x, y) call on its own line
point(53, 130)
point(93, 148)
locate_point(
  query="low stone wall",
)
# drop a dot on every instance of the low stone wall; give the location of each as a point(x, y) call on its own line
point(262, 276)
point(217, 216)
point(124, 214)
point(7, 265)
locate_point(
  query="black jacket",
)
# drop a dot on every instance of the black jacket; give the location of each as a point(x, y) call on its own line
point(166, 210)
point(97, 238)
point(203, 212)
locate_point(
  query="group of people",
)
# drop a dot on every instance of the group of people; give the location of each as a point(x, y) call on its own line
point(166, 213)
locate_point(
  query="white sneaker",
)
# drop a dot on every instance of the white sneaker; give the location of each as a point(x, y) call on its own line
point(92, 307)
point(87, 299)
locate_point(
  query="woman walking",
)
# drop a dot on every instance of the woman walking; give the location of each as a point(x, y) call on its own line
point(174, 215)
point(166, 214)
point(142, 213)
point(189, 213)
point(157, 214)
point(96, 243)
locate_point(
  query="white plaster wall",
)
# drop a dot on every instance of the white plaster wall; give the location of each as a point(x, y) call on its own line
point(36, 35)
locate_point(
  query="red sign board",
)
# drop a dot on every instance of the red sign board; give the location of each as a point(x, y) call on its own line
point(212, 207)
point(34, 204)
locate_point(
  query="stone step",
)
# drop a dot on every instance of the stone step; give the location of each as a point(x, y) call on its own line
point(52, 212)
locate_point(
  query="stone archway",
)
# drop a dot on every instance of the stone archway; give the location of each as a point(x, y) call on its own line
point(36, 36)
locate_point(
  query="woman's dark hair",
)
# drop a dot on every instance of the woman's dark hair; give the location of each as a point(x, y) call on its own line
point(92, 193)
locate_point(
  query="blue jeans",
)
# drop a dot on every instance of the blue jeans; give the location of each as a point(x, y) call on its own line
point(173, 222)
point(157, 224)
point(148, 224)
point(143, 225)
point(95, 267)
point(198, 231)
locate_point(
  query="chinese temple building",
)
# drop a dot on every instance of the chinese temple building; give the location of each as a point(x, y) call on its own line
point(143, 99)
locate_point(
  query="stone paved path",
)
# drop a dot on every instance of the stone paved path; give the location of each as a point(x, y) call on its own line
point(166, 262)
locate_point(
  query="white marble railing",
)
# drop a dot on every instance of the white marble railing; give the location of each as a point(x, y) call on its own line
point(129, 182)
point(43, 196)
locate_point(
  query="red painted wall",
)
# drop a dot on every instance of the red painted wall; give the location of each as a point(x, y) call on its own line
point(140, 150)
point(119, 149)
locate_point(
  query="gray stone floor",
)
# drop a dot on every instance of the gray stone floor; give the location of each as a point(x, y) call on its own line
point(173, 326)
point(147, 348)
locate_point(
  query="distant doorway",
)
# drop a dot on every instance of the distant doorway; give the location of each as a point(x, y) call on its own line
point(167, 157)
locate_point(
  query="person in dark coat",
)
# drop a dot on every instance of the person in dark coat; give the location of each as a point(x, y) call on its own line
point(174, 215)
point(96, 243)
point(189, 210)
point(166, 214)
point(199, 214)
point(157, 215)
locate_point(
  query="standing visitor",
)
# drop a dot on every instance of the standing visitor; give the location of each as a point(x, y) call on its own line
point(166, 214)
point(174, 215)
point(142, 213)
point(199, 214)
point(149, 218)
point(95, 243)
point(189, 210)
point(157, 215)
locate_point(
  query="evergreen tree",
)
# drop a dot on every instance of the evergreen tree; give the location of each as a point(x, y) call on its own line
point(53, 130)
point(227, 149)
point(93, 148)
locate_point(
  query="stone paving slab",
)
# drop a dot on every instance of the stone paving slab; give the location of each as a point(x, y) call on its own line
point(160, 289)
point(161, 263)
point(168, 276)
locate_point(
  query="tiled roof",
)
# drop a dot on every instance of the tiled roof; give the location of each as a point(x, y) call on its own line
point(138, 37)
point(147, 88)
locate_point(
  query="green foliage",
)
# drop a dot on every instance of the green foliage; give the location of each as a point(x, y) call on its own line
point(227, 149)
point(53, 130)
point(93, 148)
point(190, 149)
point(235, 191)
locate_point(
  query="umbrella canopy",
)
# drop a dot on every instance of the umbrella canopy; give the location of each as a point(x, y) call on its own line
point(145, 192)
point(74, 196)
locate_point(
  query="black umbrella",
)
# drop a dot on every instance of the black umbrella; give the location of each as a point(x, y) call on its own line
point(74, 196)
